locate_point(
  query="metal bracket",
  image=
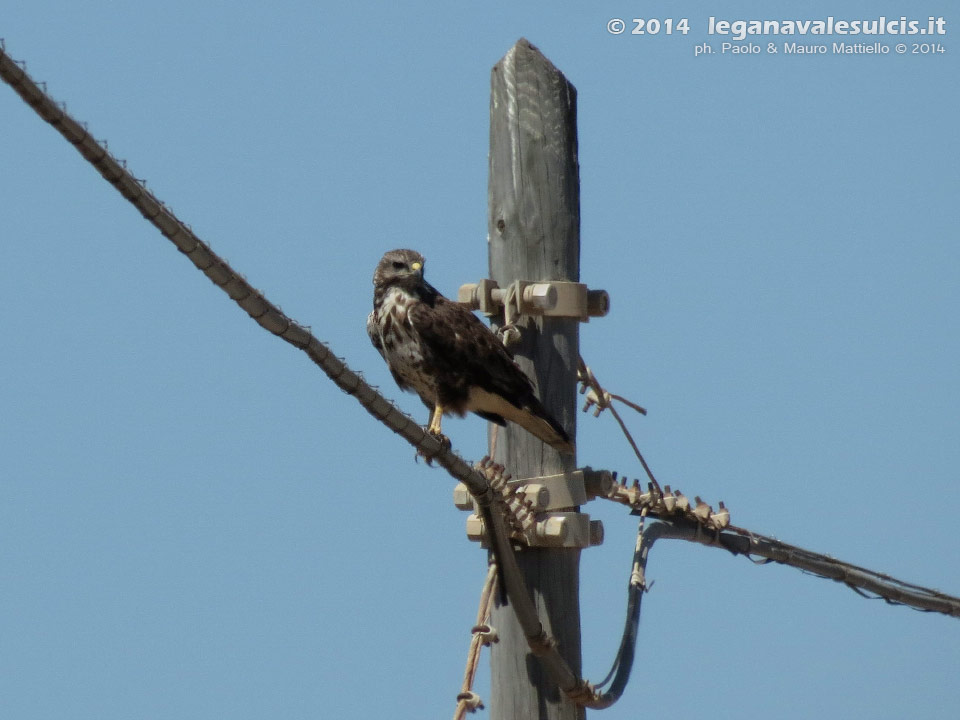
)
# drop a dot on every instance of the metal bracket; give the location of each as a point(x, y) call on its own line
point(571, 529)
point(553, 500)
point(555, 298)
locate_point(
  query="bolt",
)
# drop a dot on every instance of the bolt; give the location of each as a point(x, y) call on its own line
point(553, 529)
point(596, 532)
point(462, 498)
point(537, 495)
point(541, 295)
point(598, 303)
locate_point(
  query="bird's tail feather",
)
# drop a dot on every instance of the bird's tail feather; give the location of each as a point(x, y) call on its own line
point(532, 416)
point(534, 419)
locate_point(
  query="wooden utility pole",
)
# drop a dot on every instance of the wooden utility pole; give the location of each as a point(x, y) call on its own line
point(534, 234)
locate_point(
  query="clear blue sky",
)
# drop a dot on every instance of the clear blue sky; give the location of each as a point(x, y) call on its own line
point(195, 523)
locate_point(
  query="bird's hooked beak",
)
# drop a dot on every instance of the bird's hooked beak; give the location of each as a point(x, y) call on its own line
point(417, 268)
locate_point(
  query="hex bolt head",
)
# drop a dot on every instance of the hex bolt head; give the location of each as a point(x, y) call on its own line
point(541, 295)
point(538, 495)
point(553, 528)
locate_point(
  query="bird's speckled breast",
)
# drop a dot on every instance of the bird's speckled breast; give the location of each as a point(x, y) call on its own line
point(401, 347)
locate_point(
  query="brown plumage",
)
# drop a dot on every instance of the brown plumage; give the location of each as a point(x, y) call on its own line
point(444, 353)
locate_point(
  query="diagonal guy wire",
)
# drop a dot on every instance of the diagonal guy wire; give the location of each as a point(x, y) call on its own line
point(272, 319)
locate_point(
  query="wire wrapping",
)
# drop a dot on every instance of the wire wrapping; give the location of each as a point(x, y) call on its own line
point(482, 634)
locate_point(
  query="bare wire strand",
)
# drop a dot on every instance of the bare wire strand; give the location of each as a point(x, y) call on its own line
point(603, 401)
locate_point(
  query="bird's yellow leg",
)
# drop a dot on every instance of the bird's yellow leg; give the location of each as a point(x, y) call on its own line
point(435, 417)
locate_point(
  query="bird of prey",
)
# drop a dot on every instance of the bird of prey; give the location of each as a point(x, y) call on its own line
point(444, 353)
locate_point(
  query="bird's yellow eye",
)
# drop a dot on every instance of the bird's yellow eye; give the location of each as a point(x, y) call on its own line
point(416, 265)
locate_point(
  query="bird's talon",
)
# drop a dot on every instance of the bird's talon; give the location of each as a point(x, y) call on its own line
point(441, 438)
point(444, 441)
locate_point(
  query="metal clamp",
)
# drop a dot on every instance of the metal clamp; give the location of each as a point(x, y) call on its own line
point(571, 529)
point(555, 298)
point(552, 501)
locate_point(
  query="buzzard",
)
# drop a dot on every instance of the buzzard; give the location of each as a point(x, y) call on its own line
point(444, 353)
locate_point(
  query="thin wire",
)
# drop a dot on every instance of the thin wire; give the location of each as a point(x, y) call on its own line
point(643, 462)
point(589, 379)
point(467, 700)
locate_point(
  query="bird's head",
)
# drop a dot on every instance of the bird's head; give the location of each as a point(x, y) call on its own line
point(402, 268)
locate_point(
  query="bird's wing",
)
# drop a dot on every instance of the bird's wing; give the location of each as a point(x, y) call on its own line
point(374, 332)
point(459, 342)
point(461, 345)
